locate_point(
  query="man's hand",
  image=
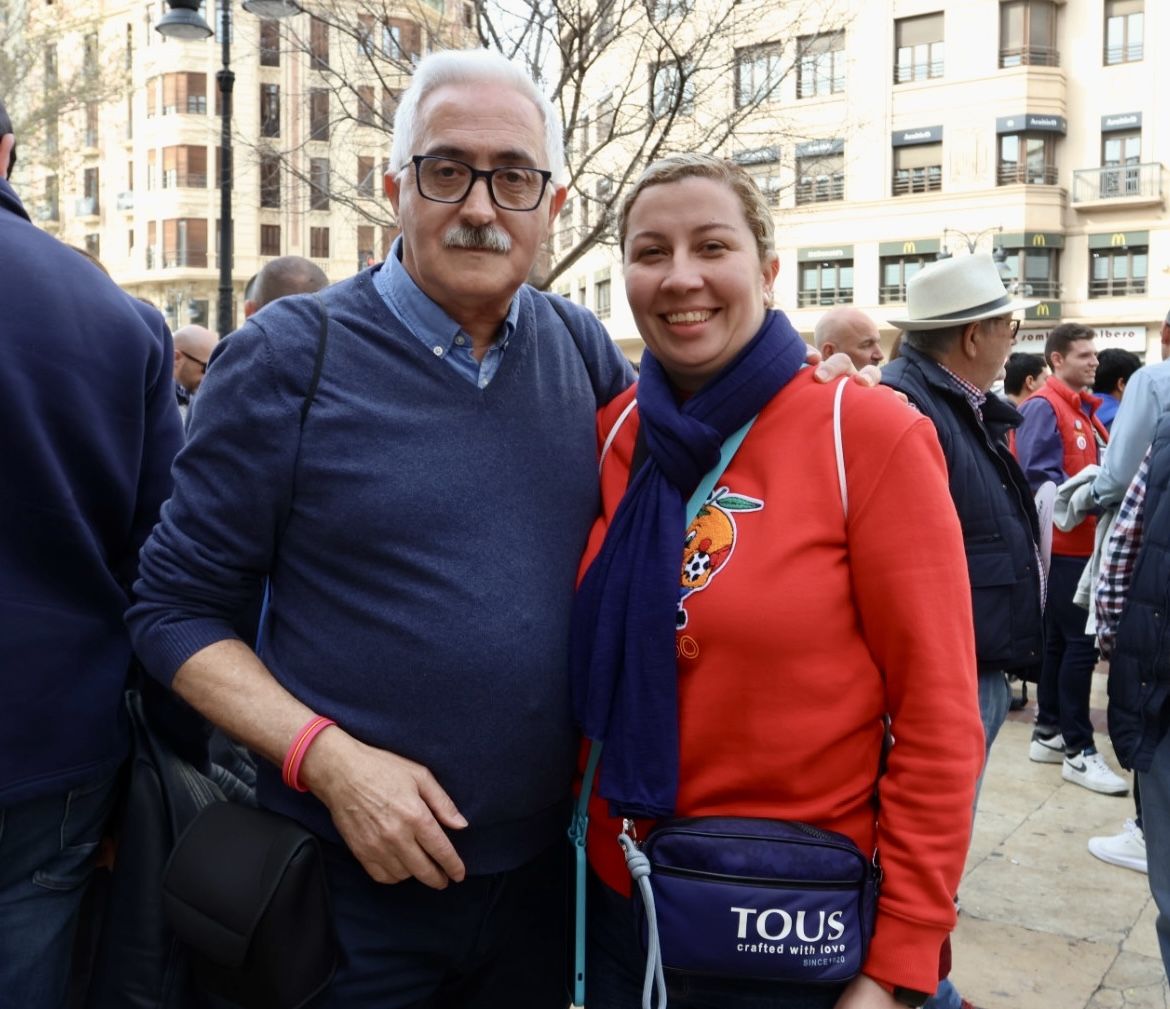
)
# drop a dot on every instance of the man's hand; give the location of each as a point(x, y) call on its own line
point(865, 993)
point(840, 364)
point(390, 811)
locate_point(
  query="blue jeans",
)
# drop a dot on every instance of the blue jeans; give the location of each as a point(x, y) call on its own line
point(47, 851)
point(615, 962)
point(995, 697)
point(1066, 678)
point(1155, 813)
point(488, 942)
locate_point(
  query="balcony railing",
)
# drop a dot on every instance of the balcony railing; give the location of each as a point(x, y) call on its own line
point(917, 180)
point(1014, 174)
point(86, 206)
point(892, 294)
point(1030, 56)
point(825, 296)
point(904, 73)
point(1121, 182)
point(1117, 288)
point(184, 257)
point(1123, 54)
point(820, 190)
point(1047, 289)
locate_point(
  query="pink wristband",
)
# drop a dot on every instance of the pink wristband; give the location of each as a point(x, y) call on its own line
point(291, 769)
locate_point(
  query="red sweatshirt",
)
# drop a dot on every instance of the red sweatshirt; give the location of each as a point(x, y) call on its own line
point(799, 629)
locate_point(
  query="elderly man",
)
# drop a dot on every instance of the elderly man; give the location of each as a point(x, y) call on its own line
point(421, 528)
point(90, 430)
point(958, 333)
point(849, 331)
point(281, 277)
point(193, 347)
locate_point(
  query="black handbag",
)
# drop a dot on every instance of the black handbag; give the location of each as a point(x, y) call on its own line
point(245, 891)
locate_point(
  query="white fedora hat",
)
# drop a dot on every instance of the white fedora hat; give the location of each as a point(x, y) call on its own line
point(955, 291)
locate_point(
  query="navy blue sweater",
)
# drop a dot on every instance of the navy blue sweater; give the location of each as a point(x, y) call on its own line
point(422, 538)
point(88, 429)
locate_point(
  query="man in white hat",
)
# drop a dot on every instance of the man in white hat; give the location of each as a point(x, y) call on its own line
point(958, 333)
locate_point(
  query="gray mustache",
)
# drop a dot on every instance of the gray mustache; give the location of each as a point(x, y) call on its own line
point(485, 237)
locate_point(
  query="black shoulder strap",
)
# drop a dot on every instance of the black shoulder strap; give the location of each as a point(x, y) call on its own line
point(557, 304)
point(319, 363)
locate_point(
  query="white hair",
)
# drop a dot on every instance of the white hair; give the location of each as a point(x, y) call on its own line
point(472, 66)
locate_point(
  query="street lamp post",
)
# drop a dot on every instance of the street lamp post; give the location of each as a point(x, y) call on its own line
point(972, 241)
point(183, 21)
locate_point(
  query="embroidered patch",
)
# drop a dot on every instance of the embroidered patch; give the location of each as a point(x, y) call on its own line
point(709, 543)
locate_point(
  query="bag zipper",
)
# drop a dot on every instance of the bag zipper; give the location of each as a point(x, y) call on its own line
point(776, 884)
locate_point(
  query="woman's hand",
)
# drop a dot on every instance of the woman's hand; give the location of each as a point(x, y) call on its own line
point(865, 993)
point(840, 364)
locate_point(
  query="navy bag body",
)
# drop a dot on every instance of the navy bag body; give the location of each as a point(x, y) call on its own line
point(773, 900)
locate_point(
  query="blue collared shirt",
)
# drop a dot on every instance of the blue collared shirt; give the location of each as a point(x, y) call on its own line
point(439, 333)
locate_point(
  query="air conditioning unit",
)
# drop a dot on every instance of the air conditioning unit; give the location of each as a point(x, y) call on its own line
point(86, 206)
point(125, 201)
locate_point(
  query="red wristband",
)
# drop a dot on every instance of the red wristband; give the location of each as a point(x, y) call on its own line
point(290, 771)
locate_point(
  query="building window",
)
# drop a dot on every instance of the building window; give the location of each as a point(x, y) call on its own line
point(89, 65)
point(270, 181)
point(662, 10)
point(1121, 156)
point(91, 124)
point(605, 120)
point(184, 93)
point(1031, 272)
point(1027, 34)
point(93, 245)
point(917, 169)
point(91, 204)
point(52, 198)
point(918, 48)
point(672, 88)
point(767, 178)
point(319, 243)
point(401, 39)
point(820, 178)
point(1124, 31)
point(269, 43)
point(565, 232)
point(601, 298)
point(319, 114)
point(896, 270)
point(270, 239)
point(389, 105)
point(364, 34)
point(365, 105)
point(365, 245)
point(826, 283)
point(581, 292)
point(1027, 158)
point(318, 44)
point(758, 73)
point(1118, 273)
point(365, 179)
point(820, 68)
point(50, 76)
point(184, 242)
point(184, 167)
point(270, 110)
point(318, 183)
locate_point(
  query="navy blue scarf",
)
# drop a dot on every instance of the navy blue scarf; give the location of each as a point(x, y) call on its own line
point(622, 665)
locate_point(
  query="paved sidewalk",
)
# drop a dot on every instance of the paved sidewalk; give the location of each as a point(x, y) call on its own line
point(1044, 924)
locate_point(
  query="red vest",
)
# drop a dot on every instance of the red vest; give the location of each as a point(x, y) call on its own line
point(1078, 434)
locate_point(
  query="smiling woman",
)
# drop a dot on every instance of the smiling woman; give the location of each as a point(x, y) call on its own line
point(743, 666)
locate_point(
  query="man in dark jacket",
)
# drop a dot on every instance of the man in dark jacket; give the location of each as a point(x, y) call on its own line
point(90, 428)
point(958, 333)
point(1133, 627)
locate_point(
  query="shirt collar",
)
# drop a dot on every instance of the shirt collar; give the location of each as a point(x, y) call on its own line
point(974, 395)
point(423, 316)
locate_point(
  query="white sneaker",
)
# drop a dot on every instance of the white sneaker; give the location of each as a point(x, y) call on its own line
point(1127, 849)
point(1047, 751)
point(1088, 768)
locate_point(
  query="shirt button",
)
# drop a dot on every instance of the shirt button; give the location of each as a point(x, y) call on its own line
point(437, 350)
point(459, 340)
point(483, 383)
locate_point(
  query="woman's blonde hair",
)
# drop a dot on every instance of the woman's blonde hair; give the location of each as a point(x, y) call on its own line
point(706, 166)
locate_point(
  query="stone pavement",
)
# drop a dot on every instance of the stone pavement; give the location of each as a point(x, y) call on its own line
point(1044, 924)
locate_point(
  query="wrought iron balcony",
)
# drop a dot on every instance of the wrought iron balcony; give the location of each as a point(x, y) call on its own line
point(1123, 183)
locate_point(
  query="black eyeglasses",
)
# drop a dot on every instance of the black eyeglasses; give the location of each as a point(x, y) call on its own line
point(1014, 326)
point(445, 180)
point(189, 357)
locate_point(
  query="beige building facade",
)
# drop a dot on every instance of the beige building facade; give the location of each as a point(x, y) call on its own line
point(1032, 129)
point(133, 178)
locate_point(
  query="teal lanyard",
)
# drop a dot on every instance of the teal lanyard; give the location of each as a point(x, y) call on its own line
point(579, 825)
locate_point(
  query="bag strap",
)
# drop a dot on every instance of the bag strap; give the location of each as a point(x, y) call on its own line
point(838, 447)
point(579, 825)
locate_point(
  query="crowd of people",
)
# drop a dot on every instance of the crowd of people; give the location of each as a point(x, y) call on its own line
point(416, 545)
